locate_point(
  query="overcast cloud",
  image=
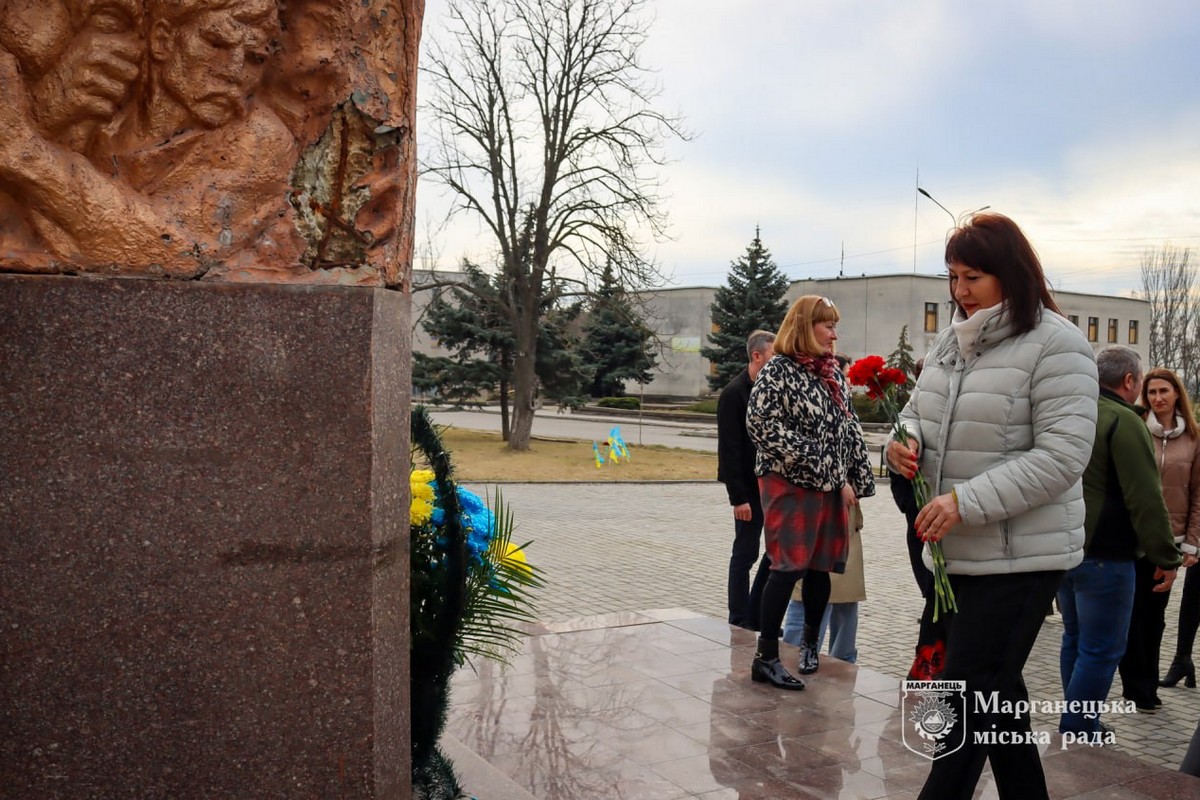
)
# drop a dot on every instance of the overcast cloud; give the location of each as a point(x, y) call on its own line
point(1079, 120)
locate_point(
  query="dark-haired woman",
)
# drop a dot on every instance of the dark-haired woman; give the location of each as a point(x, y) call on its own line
point(812, 465)
point(1003, 418)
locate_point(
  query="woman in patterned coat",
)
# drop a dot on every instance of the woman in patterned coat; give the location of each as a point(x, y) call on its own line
point(812, 465)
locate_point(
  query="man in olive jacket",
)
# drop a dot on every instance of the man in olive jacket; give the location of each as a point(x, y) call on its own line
point(1125, 517)
point(735, 469)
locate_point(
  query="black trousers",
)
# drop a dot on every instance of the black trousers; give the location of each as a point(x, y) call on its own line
point(1139, 665)
point(745, 598)
point(990, 639)
point(1189, 613)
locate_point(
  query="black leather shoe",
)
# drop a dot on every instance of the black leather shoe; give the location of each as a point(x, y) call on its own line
point(772, 672)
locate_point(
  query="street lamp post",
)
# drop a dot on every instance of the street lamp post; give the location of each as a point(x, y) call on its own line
point(953, 219)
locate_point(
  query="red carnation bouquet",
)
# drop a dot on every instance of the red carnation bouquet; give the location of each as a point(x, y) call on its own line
point(882, 383)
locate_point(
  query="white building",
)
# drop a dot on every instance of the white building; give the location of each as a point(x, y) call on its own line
point(874, 310)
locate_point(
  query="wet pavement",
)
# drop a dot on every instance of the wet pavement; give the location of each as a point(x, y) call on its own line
point(656, 667)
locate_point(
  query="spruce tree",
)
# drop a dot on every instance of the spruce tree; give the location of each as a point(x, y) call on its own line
point(901, 358)
point(752, 298)
point(472, 323)
point(617, 345)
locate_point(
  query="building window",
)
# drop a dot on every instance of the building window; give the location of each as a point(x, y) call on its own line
point(931, 317)
point(1074, 319)
point(1133, 331)
point(1112, 331)
point(1093, 329)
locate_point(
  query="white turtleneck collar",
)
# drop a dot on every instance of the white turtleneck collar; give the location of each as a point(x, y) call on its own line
point(1156, 428)
point(967, 329)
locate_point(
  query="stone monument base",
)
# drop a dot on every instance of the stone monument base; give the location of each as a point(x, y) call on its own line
point(203, 540)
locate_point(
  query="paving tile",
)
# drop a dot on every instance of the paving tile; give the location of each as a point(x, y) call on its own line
point(632, 637)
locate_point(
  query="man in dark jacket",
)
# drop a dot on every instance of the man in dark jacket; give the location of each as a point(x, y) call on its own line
point(1125, 518)
point(735, 469)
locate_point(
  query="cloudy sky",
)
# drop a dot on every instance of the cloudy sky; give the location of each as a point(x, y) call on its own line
point(813, 119)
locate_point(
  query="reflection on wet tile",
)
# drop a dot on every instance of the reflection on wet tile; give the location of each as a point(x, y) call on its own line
point(868, 682)
point(584, 771)
point(1125, 793)
point(666, 710)
point(699, 684)
point(727, 731)
point(1167, 785)
point(906, 772)
point(986, 789)
point(657, 745)
point(782, 758)
point(1080, 770)
point(669, 614)
point(850, 746)
point(693, 774)
point(840, 781)
point(615, 620)
point(714, 629)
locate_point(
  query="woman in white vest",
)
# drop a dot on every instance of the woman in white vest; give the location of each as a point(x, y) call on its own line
point(1002, 419)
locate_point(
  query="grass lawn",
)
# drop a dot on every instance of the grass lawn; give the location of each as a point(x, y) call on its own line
point(480, 456)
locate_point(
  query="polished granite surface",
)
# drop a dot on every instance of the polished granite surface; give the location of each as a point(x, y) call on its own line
point(658, 705)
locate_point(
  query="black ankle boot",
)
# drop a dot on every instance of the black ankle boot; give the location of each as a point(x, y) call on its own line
point(767, 668)
point(1181, 667)
point(808, 650)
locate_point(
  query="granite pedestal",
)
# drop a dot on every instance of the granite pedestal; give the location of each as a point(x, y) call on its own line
point(203, 540)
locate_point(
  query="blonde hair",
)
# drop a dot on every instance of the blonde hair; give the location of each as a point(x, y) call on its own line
point(795, 335)
point(1183, 405)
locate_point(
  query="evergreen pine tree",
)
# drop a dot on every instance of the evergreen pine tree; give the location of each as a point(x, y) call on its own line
point(752, 298)
point(472, 323)
point(467, 322)
point(617, 345)
point(901, 358)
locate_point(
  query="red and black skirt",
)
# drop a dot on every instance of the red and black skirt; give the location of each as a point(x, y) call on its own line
point(803, 528)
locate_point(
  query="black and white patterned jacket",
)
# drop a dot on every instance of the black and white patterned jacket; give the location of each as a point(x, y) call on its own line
point(802, 435)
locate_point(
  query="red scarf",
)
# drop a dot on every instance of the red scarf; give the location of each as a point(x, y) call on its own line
point(827, 368)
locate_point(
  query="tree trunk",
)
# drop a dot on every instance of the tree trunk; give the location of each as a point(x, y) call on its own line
point(524, 385)
point(504, 428)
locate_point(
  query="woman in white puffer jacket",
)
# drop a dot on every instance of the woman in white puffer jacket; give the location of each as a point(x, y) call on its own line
point(1002, 418)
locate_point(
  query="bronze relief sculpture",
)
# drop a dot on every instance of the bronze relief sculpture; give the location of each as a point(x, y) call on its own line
point(237, 140)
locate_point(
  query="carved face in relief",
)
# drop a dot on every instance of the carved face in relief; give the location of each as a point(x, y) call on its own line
point(209, 55)
point(79, 57)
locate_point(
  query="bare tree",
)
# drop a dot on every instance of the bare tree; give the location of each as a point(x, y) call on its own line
point(544, 130)
point(1169, 283)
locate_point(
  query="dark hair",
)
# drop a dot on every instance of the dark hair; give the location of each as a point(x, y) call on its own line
point(993, 243)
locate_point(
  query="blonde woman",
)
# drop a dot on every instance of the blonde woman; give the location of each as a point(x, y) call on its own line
point(812, 466)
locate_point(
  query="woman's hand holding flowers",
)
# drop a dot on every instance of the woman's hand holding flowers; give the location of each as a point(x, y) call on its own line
point(937, 518)
point(903, 458)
